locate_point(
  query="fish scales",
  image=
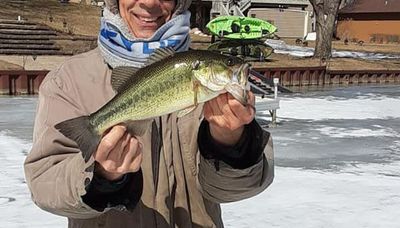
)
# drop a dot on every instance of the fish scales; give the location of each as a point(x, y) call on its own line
point(166, 85)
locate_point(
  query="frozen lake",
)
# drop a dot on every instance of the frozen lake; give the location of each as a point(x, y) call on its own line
point(337, 163)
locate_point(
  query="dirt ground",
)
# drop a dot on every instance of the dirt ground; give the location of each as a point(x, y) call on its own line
point(4, 65)
point(69, 18)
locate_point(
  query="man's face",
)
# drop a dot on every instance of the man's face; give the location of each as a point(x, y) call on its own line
point(144, 17)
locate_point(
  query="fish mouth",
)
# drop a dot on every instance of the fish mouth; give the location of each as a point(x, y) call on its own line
point(240, 88)
point(244, 70)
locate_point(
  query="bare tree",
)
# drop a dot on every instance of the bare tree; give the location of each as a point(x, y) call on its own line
point(199, 14)
point(325, 13)
point(345, 3)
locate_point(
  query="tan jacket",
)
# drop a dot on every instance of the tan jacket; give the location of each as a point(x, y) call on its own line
point(190, 188)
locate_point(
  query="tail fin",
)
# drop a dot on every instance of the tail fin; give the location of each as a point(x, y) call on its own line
point(82, 132)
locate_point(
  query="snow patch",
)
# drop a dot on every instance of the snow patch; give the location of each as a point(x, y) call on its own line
point(281, 47)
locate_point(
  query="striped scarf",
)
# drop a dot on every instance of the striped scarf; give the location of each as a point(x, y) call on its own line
point(120, 48)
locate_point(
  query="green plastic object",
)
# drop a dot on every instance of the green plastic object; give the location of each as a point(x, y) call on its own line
point(235, 27)
point(255, 49)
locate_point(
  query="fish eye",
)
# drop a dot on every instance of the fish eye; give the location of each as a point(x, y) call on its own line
point(230, 61)
point(196, 64)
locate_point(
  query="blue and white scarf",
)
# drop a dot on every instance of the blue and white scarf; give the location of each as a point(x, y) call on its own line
point(120, 48)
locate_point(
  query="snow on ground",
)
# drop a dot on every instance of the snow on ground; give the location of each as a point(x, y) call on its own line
point(16, 206)
point(314, 198)
point(281, 47)
point(337, 163)
point(338, 106)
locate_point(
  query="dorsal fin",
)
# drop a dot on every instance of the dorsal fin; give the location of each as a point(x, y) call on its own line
point(159, 54)
point(121, 75)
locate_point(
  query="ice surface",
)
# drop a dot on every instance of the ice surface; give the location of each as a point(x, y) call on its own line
point(16, 206)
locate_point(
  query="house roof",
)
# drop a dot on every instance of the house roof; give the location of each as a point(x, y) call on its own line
point(374, 6)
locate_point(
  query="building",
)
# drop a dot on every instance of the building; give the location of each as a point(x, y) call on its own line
point(293, 18)
point(375, 21)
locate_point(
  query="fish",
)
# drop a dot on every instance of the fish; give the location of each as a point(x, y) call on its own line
point(170, 82)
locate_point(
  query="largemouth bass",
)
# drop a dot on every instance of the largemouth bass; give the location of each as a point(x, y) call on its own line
point(170, 82)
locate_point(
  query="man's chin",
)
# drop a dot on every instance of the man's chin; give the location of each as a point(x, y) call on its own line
point(145, 34)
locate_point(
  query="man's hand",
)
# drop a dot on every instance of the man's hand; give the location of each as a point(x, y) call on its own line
point(227, 117)
point(118, 153)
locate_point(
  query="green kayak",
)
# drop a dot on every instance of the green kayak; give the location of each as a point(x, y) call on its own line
point(235, 27)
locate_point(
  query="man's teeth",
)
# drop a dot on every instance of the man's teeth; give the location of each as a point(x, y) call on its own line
point(148, 19)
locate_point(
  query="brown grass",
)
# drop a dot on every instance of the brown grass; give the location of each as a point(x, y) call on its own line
point(79, 18)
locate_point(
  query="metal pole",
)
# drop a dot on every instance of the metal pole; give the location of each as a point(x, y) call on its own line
point(276, 82)
point(273, 113)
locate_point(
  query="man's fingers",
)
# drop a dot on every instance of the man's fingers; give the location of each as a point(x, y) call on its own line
point(251, 98)
point(115, 156)
point(118, 153)
point(252, 103)
point(207, 111)
point(228, 119)
point(225, 105)
point(243, 113)
point(137, 155)
point(210, 112)
point(132, 152)
point(122, 155)
point(109, 141)
point(124, 144)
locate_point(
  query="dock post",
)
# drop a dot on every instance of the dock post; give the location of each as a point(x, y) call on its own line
point(273, 112)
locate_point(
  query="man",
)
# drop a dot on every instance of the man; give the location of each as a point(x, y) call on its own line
point(178, 172)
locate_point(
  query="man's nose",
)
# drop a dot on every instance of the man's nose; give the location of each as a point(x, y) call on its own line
point(150, 4)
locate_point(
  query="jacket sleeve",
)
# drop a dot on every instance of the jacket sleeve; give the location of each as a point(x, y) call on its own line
point(57, 175)
point(228, 174)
